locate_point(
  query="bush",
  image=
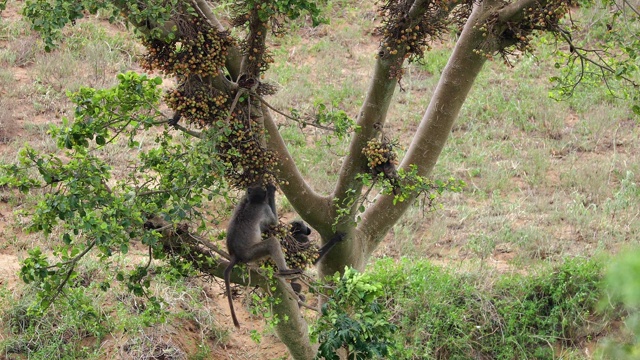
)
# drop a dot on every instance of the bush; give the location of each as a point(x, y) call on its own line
point(441, 314)
point(353, 318)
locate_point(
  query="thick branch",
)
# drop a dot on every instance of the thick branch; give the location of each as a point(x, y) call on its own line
point(255, 48)
point(181, 243)
point(205, 11)
point(454, 85)
point(293, 332)
point(418, 8)
point(312, 207)
point(515, 11)
point(372, 116)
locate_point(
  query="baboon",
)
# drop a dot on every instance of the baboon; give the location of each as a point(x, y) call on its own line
point(254, 213)
point(300, 231)
point(175, 118)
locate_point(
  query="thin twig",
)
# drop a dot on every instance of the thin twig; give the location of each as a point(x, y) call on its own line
point(72, 265)
point(195, 134)
point(302, 122)
point(235, 102)
point(580, 53)
point(208, 244)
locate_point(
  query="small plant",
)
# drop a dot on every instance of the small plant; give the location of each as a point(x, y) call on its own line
point(58, 333)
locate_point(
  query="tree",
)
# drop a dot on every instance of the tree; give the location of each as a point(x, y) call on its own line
point(220, 91)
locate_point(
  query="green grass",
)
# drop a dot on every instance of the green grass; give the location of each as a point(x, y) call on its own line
point(77, 325)
point(442, 314)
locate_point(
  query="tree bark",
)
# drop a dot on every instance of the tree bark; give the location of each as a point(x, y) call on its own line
point(311, 206)
point(293, 331)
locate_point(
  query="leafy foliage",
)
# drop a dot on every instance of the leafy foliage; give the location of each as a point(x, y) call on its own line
point(81, 204)
point(274, 10)
point(58, 332)
point(49, 17)
point(355, 318)
point(610, 57)
point(80, 324)
point(623, 288)
point(443, 315)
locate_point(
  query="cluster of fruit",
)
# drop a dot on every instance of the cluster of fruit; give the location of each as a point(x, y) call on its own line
point(409, 35)
point(379, 153)
point(298, 255)
point(198, 102)
point(195, 49)
point(247, 161)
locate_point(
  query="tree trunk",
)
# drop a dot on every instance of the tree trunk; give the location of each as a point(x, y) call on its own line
point(293, 331)
point(455, 83)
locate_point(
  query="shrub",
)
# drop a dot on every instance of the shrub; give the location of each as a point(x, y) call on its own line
point(441, 314)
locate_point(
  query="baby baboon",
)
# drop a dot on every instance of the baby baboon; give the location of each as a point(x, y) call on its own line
point(254, 213)
point(300, 231)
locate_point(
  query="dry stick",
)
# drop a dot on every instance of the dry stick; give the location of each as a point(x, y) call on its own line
point(235, 102)
point(210, 245)
point(292, 118)
point(250, 92)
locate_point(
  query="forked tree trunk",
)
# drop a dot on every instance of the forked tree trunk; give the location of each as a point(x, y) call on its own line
point(455, 83)
point(362, 239)
point(453, 87)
